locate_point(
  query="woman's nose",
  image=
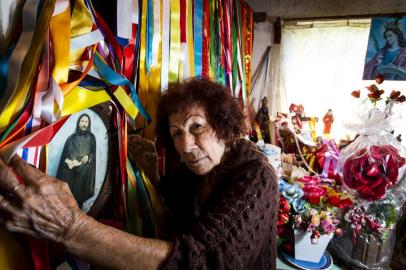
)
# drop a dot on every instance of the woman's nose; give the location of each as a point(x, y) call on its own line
point(188, 143)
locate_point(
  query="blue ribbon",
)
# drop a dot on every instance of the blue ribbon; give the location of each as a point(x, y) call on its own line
point(197, 25)
point(114, 79)
point(3, 74)
point(150, 33)
point(27, 131)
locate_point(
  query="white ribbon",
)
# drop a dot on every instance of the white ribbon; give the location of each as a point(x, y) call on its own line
point(86, 40)
point(124, 18)
point(166, 9)
point(156, 5)
point(60, 6)
point(29, 18)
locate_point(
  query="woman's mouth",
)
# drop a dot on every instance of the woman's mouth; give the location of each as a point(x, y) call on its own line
point(195, 162)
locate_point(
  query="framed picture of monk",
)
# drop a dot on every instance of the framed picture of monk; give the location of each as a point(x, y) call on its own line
point(386, 51)
point(80, 154)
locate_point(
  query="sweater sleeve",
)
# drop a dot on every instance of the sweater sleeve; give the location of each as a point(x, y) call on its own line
point(236, 228)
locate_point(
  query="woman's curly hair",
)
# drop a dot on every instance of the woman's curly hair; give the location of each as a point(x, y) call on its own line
point(224, 113)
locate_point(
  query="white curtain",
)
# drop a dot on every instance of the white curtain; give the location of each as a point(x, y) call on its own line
point(320, 65)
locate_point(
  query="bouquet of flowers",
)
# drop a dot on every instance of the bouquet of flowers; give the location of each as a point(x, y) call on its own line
point(310, 206)
point(372, 168)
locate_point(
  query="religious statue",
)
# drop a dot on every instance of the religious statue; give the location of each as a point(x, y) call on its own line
point(262, 118)
point(328, 120)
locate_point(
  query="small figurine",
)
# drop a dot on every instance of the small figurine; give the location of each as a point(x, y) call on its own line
point(262, 118)
point(328, 120)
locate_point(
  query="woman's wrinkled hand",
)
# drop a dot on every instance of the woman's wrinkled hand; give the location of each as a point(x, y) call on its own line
point(39, 205)
point(144, 153)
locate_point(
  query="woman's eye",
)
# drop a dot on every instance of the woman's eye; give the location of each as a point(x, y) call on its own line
point(196, 128)
point(175, 134)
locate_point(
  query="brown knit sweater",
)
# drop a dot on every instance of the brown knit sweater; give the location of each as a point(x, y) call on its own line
point(235, 228)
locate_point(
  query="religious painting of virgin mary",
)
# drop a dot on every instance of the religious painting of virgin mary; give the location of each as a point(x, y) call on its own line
point(79, 155)
point(386, 52)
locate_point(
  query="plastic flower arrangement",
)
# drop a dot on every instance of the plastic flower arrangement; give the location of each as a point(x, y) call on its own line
point(372, 165)
point(309, 205)
point(373, 169)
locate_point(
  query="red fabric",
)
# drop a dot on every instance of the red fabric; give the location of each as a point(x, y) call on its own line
point(39, 253)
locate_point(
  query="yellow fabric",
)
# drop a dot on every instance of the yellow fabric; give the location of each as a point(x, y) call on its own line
point(29, 66)
point(80, 98)
point(126, 102)
point(59, 27)
point(174, 53)
point(81, 23)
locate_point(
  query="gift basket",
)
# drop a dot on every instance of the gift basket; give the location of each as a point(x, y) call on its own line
point(373, 171)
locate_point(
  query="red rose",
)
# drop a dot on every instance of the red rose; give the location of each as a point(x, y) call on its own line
point(309, 180)
point(284, 205)
point(337, 202)
point(313, 193)
point(372, 172)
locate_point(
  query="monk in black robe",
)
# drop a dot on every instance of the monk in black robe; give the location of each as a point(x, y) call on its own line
point(77, 165)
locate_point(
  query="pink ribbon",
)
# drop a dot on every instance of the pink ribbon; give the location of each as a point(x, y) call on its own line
point(331, 157)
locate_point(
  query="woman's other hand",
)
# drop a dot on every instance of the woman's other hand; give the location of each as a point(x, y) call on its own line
point(144, 153)
point(39, 205)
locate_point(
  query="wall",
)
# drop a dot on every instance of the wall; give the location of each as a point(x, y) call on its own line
point(326, 8)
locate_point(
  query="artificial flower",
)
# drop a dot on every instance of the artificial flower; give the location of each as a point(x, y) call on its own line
point(394, 94)
point(356, 93)
point(401, 99)
point(309, 180)
point(313, 193)
point(291, 192)
point(299, 205)
point(372, 171)
point(379, 78)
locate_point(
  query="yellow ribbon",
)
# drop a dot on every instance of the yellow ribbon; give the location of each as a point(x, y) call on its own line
point(81, 23)
point(142, 73)
point(312, 126)
point(156, 204)
point(126, 102)
point(174, 51)
point(80, 98)
point(29, 65)
point(10, 250)
point(154, 85)
point(190, 37)
point(59, 27)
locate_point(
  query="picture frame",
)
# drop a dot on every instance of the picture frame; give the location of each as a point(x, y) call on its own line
point(81, 155)
point(386, 50)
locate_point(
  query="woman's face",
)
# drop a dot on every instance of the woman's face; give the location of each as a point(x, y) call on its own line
point(195, 140)
point(391, 38)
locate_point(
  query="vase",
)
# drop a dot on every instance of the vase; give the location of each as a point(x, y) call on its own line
point(309, 250)
point(364, 251)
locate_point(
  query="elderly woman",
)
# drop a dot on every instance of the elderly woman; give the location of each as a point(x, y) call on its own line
point(222, 202)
